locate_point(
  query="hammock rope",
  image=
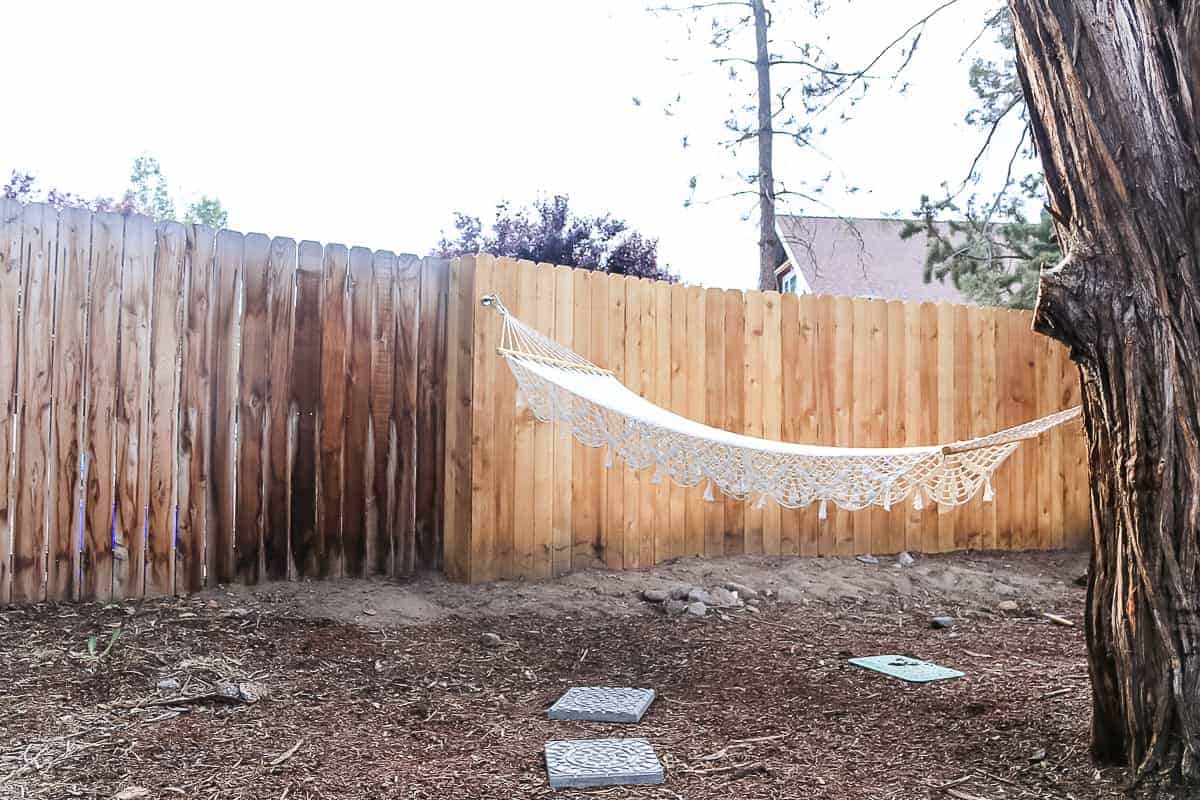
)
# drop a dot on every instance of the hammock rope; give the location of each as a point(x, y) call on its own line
point(562, 386)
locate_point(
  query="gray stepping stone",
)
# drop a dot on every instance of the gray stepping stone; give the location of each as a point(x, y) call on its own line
point(907, 669)
point(602, 704)
point(602, 762)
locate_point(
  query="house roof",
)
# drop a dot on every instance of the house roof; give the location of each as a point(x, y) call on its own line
point(861, 258)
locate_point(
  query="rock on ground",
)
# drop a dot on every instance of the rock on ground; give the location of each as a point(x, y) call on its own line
point(744, 592)
point(723, 598)
point(655, 595)
point(674, 606)
point(788, 594)
point(697, 609)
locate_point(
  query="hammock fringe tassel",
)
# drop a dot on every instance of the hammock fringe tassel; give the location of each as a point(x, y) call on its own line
point(590, 403)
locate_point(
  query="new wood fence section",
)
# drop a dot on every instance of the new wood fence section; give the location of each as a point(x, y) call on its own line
point(180, 406)
point(523, 501)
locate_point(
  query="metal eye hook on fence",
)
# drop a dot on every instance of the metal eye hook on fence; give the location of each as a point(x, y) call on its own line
point(491, 300)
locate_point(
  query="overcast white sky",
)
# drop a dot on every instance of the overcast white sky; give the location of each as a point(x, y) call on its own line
point(370, 123)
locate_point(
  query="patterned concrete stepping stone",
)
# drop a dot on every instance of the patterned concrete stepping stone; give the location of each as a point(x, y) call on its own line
point(602, 704)
point(907, 669)
point(602, 762)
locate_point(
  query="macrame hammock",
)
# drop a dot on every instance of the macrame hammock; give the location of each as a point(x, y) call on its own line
point(560, 385)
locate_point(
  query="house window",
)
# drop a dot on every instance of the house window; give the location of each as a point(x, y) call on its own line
point(789, 283)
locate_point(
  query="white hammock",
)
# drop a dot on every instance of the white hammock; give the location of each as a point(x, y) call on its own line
point(562, 386)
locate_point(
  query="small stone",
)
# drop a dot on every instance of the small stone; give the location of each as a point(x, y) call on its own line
point(655, 595)
point(743, 591)
point(698, 595)
point(753, 601)
point(752, 609)
point(723, 598)
point(697, 609)
point(1038, 755)
point(132, 793)
point(905, 560)
point(942, 622)
point(1007, 606)
point(167, 685)
point(867, 558)
point(680, 592)
point(787, 594)
point(489, 640)
point(675, 607)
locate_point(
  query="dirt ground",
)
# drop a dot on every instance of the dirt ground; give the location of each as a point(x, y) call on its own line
point(353, 689)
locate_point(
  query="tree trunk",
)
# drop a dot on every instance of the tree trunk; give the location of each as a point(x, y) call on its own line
point(1111, 92)
point(768, 243)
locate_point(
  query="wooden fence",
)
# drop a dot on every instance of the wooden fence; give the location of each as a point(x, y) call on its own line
point(522, 501)
point(183, 406)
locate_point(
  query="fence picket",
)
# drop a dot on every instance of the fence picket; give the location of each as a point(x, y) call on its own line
point(195, 412)
point(790, 389)
point(432, 404)
point(679, 404)
point(10, 302)
point(585, 465)
point(524, 535)
point(332, 408)
point(357, 461)
point(95, 579)
point(565, 314)
point(226, 328)
point(70, 348)
point(170, 280)
point(613, 509)
point(404, 443)
point(394, 549)
point(778, 523)
point(752, 418)
point(307, 544)
point(133, 407)
point(544, 499)
point(632, 534)
point(281, 420)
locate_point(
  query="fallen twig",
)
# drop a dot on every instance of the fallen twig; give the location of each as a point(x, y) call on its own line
point(963, 795)
point(286, 755)
point(942, 787)
point(738, 770)
point(1057, 620)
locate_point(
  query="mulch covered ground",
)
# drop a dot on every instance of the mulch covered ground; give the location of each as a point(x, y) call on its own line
point(750, 706)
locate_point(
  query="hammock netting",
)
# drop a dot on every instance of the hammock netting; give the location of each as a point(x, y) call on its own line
point(562, 386)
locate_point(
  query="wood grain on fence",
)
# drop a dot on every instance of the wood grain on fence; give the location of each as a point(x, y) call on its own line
point(825, 370)
point(178, 400)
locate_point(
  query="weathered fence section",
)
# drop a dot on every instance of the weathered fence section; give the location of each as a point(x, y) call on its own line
point(522, 501)
point(181, 406)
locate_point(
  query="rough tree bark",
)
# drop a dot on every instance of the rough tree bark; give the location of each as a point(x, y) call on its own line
point(1111, 87)
point(768, 243)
